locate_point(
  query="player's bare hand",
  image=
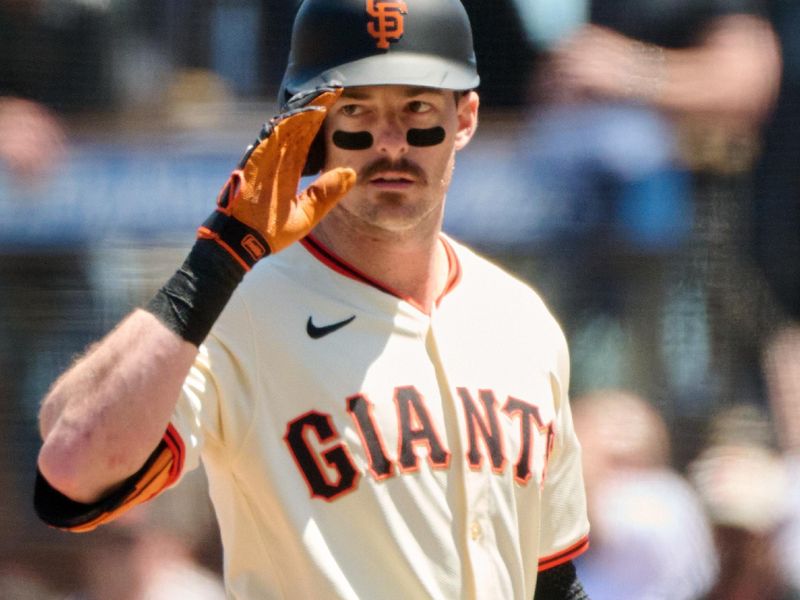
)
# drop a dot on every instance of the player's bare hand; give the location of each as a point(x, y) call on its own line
point(259, 210)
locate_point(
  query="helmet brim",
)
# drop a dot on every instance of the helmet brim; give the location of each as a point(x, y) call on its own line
point(396, 68)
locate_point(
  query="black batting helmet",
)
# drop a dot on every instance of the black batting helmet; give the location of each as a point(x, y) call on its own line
point(425, 43)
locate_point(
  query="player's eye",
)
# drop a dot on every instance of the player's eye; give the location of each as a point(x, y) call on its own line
point(419, 106)
point(352, 110)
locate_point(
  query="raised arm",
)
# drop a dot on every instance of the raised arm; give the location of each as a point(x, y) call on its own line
point(105, 416)
point(107, 413)
point(733, 71)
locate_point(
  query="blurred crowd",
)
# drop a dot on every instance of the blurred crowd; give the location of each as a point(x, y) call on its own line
point(652, 145)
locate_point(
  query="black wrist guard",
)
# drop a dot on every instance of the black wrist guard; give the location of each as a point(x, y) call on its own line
point(192, 300)
point(559, 583)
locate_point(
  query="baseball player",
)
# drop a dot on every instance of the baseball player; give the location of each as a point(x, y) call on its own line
point(381, 413)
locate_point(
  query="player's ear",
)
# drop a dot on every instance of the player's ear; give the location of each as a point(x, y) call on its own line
point(467, 114)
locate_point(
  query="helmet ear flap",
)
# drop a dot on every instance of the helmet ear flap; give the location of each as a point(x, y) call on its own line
point(316, 154)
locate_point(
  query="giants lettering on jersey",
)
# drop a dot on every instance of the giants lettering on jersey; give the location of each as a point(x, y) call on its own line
point(327, 465)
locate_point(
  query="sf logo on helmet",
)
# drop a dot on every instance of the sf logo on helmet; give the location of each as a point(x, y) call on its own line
point(386, 24)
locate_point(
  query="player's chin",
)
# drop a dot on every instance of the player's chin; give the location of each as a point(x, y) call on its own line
point(391, 214)
point(400, 213)
point(393, 198)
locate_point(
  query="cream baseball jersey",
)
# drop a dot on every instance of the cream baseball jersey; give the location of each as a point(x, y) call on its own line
point(358, 448)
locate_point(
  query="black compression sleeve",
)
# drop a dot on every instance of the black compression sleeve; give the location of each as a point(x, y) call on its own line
point(192, 300)
point(560, 583)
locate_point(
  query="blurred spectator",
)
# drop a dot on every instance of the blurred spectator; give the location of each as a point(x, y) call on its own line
point(159, 551)
point(650, 536)
point(619, 430)
point(17, 582)
point(718, 59)
point(777, 189)
point(782, 369)
point(32, 139)
point(136, 562)
point(53, 65)
point(56, 53)
point(777, 248)
point(743, 482)
point(644, 123)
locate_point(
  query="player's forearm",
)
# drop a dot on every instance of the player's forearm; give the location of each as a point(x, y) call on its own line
point(735, 73)
point(103, 417)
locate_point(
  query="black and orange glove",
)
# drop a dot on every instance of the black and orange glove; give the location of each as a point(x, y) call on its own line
point(259, 210)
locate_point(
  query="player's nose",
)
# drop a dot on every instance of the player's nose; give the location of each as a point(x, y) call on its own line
point(391, 138)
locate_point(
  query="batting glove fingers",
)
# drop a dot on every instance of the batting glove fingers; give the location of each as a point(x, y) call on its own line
point(259, 210)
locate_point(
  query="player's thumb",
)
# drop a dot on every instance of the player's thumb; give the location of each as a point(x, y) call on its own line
point(325, 191)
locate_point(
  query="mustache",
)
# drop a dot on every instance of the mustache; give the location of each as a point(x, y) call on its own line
point(385, 165)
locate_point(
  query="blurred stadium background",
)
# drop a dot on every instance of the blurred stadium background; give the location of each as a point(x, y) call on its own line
point(644, 230)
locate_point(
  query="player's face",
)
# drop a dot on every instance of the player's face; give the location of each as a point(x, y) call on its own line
point(401, 141)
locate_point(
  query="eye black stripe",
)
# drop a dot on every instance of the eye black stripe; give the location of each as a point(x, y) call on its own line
point(363, 140)
point(426, 137)
point(349, 140)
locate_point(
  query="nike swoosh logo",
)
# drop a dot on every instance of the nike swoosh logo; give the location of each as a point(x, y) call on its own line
point(315, 332)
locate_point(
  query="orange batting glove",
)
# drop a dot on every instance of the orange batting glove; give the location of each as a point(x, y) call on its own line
point(259, 211)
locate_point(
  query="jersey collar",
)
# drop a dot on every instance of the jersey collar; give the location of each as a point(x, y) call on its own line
point(336, 263)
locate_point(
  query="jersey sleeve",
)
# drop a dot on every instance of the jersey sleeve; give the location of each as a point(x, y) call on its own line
point(196, 415)
point(565, 525)
point(161, 470)
point(215, 408)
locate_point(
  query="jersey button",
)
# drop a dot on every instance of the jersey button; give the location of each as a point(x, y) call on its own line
point(475, 531)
